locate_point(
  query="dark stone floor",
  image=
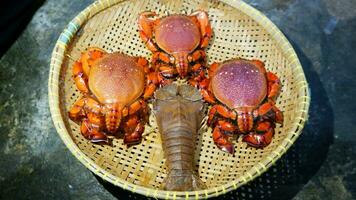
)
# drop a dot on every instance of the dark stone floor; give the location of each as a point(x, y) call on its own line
point(35, 164)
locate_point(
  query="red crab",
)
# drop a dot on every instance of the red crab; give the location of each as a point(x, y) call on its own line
point(246, 102)
point(114, 91)
point(177, 43)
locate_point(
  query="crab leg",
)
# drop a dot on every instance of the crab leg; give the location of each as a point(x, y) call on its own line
point(200, 81)
point(197, 78)
point(205, 84)
point(213, 67)
point(81, 68)
point(151, 80)
point(80, 79)
point(151, 84)
point(145, 26)
point(136, 106)
point(205, 29)
point(92, 105)
point(208, 96)
point(197, 68)
point(162, 80)
point(222, 135)
point(142, 62)
point(135, 136)
point(92, 132)
point(221, 110)
point(90, 126)
point(197, 55)
point(160, 62)
point(163, 57)
point(83, 105)
point(134, 127)
point(205, 91)
point(274, 85)
point(89, 57)
point(76, 112)
point(197, 74)
point(262, 136)
point(167, 71)
point(270, 111)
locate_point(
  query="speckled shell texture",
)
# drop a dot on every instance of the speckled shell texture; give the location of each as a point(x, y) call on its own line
point(239, 83)
point(177, 33)
point(116, 78)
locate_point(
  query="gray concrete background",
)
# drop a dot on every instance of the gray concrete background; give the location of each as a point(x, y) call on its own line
point(35, 164)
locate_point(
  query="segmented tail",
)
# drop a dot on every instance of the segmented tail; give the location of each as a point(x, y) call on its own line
point(113, 117)
point(179, 112)
point(182, 64)
point(245, 121)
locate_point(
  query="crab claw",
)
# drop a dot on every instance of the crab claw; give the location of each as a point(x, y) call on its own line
point(222, 140)
point(136, 136)
point(258, 139)
point(144, 21)
point(229, 148)
point(145, 25)
point(91, 133)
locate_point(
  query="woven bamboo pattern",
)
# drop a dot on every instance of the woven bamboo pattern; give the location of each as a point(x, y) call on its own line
point(239, 31)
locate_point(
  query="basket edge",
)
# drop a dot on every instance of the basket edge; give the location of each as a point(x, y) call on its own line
point(53, 94)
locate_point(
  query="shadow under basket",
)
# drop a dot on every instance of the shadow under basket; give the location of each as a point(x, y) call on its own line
point(239, 31)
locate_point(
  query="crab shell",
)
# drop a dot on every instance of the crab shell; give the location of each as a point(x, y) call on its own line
point(177, 33)
point(116, 79)
point(240, 84)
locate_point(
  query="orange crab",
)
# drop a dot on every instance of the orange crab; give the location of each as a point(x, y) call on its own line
point(177, 42)
point(246, 102)
point(115, 94)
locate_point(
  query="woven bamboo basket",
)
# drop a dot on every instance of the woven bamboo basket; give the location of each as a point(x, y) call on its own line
point(239, 31)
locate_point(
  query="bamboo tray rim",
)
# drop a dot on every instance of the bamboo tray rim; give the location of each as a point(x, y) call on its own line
point(58, 56)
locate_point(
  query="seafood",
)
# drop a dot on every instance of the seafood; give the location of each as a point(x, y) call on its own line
point(115, 88)
point(179, 111)
point(178, 43)
point(245, 102)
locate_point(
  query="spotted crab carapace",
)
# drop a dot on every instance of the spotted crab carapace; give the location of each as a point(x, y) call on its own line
point(115, 88)
point(177, 42)
point(243, 95)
